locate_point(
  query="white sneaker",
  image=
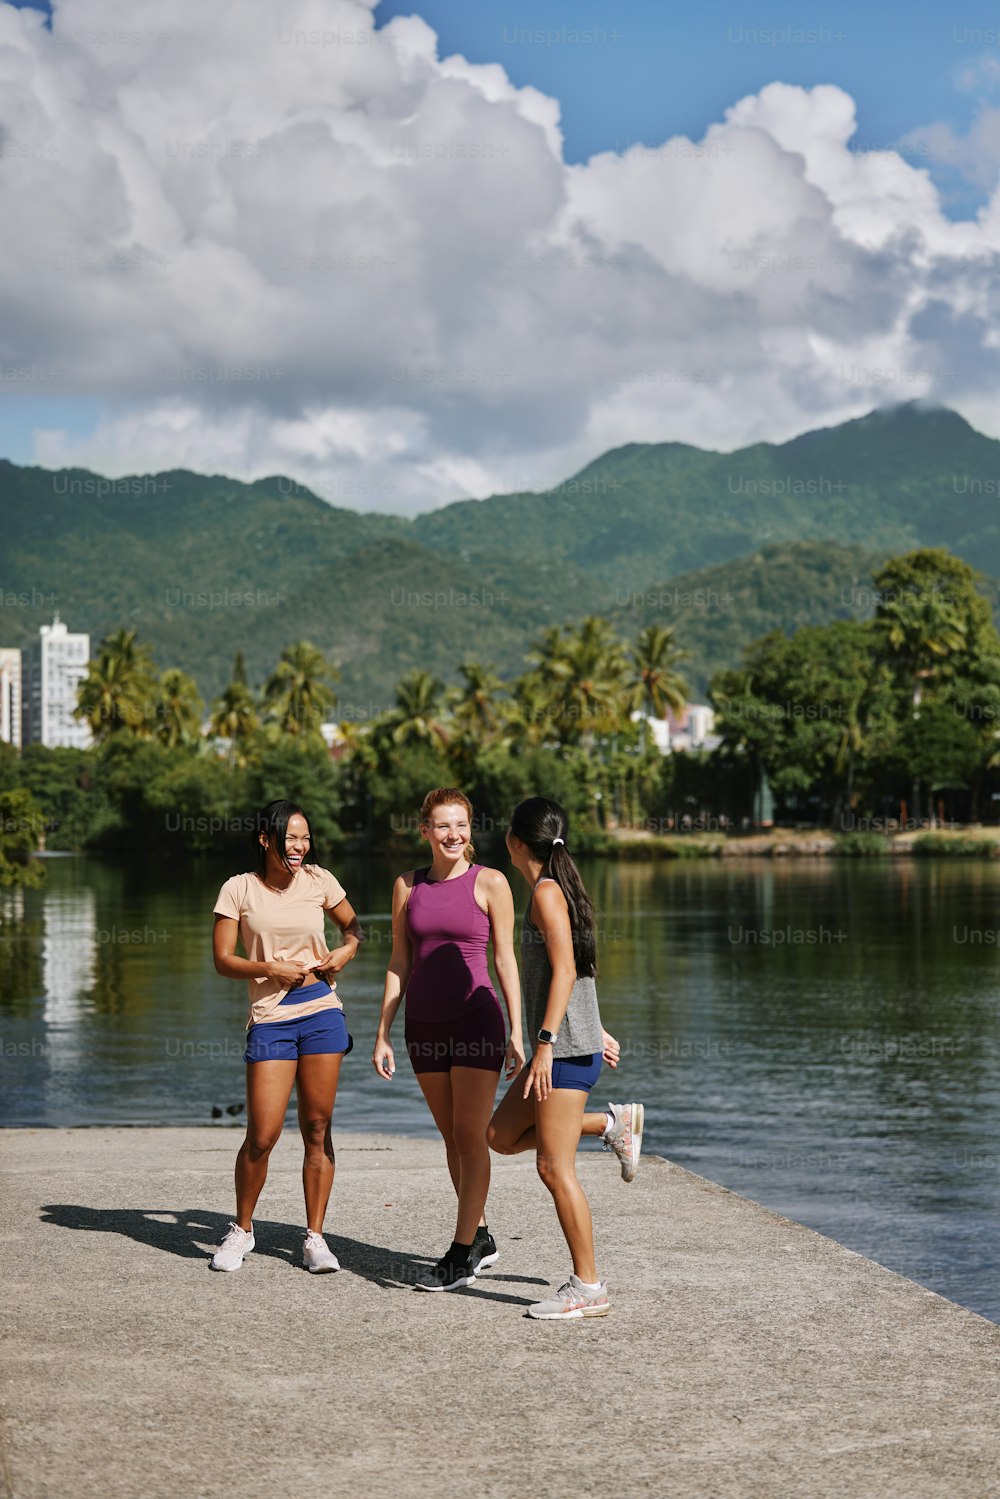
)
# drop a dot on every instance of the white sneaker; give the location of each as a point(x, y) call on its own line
point(571, 1301)
point(317, 1256)
point(234, 1248)
point(624, 1137)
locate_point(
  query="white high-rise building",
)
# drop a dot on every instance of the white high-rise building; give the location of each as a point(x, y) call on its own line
point(10, 695)
point(54, 667)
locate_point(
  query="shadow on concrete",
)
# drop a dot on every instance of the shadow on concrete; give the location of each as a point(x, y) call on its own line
point(193, 1234)
point(183, 1233)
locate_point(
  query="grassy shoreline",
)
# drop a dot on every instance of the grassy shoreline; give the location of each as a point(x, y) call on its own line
point(787, 843)
point(626, 845)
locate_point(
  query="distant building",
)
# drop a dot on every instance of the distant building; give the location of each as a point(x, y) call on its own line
point(10, 695)
point(658, 729)
point(690, 729)
point(54, 666)
point(333, 738)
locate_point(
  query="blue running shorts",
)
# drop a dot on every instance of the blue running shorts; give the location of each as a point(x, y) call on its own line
point(580, 1073)
point(322, 1034)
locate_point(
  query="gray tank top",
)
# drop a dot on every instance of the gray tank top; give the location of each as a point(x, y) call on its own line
point(580, 1033)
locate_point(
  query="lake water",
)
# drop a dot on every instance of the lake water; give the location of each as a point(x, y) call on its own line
point(822, 1036)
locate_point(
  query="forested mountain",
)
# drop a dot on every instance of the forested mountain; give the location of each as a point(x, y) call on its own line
point(724, 545)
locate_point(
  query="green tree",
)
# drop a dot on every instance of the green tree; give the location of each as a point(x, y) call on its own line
point(805, 709)
point(932, 626)
point(234, 713)
point(478, 715)
point(477, 701)
point(419, 714)
point(178, 709)
point(10, 766)
point(22, 832)
point(62, 782)
point(118, 693)
point(975, 697)
point(584, 673)
point(298, 696)
point(402, 781)
point(502, 777)
point(299, 770)
point(528, 714)
point(657, 686)
point(929, 615)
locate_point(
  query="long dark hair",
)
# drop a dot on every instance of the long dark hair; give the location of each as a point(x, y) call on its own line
point(538, 822)
point(273, 820)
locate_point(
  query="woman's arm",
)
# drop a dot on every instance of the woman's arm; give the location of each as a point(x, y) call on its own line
point(232, 966)
point(500, 909)
point(333, 962)
point(550, 914)
point(396, 978)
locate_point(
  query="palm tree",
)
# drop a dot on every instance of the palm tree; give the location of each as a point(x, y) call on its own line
point(297, 695)
point(178, 709)
point(586, 676)
point(927, 617)
point(476, 701)
point(922, 635)
point(234, 713)
point(657, 686)
point(528, 715)
point(478, 717)
point(418, 715)
point(119, 690)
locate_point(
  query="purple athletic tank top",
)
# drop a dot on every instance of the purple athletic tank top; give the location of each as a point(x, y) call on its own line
point(448, 933)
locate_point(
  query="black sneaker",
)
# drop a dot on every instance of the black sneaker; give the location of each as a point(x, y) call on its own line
point(484, 1250)
point(450, 1272)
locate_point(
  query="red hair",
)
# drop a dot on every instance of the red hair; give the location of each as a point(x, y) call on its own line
point(447, 796)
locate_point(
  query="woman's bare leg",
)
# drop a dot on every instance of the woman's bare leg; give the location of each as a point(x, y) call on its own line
point(439, 1089)
point(436, 1088)
point(269, 1087)
point(558, 1121)
point(473, 1093)
point(512, 1128)
point(316, 1086)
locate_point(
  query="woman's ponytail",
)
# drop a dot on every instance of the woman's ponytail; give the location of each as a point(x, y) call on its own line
point(543, 826)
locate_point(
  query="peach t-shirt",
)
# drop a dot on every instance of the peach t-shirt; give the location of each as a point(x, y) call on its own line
point(282, 925)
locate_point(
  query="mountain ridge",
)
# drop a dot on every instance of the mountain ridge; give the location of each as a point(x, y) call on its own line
point(486, 576)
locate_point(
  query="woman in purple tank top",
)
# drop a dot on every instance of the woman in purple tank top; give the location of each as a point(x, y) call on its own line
point(443, 919)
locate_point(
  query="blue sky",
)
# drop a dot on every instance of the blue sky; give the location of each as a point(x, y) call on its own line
point(657, 69)
point(675, 68)
point(888, 299)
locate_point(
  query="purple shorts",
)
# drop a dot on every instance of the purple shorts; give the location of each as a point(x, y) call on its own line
point(476, 1039)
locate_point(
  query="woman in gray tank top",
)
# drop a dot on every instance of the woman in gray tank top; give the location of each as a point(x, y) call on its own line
point(545, 1109)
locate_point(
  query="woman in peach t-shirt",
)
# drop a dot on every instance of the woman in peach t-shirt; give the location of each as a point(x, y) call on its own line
point(296, 1032)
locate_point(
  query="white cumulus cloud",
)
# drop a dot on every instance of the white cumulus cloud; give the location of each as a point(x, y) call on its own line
point(269, 237)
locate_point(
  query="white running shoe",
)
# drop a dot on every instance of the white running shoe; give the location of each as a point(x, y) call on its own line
point(317, 1256)
point(234, 1248)
point(572, 1300)
point(624, 1138)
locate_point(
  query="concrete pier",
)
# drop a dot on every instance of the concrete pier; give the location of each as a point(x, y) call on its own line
point(745, 1355)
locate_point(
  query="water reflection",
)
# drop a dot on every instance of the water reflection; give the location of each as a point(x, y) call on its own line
point(821, 1036)
point(20, 957)
point(69, 958)
point(69, 954)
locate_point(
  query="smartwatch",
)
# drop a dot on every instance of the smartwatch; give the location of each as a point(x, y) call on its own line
point(547, 1037)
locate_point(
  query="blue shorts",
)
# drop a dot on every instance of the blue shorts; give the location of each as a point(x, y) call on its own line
point(322, 1034)
point(580, 1073)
